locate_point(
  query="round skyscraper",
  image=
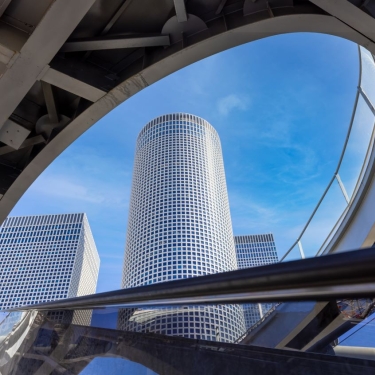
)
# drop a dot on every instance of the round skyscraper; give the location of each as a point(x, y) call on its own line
point(179, 225)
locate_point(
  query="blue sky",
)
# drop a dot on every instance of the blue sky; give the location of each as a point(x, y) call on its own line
point(281, 106)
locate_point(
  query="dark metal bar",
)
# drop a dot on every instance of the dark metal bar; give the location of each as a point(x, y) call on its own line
point(221, 6)
point(26, 143)
point(180, 8)
point(49, 97)
point(96, 44)
point(349, 275)
point(115, 17)
point(111, 22)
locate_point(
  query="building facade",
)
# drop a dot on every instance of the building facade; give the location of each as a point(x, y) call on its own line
point(179, 225)
point(252, 251)
point(46, 258)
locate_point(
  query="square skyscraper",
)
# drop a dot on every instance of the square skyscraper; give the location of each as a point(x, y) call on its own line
point(46, 258)
point(252, 251)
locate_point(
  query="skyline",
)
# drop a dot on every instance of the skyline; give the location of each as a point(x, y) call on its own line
point(276, 171)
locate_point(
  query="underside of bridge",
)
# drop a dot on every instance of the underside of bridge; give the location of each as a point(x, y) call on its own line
point(64, 64)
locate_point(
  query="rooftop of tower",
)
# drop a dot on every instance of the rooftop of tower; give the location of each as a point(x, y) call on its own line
point(180, 116)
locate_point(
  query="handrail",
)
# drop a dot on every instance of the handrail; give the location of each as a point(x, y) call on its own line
point(344, 275)
point(355, 190)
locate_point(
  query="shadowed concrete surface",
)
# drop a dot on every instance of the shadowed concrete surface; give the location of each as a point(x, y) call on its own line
point(39, 346)
point(305, 326)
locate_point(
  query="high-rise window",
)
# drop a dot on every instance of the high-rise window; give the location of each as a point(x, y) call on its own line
point(179, 225)
point(255, 250)
point(46, 258)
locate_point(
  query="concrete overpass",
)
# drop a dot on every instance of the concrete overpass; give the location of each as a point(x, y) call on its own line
point(65, 64)
point(305, 326)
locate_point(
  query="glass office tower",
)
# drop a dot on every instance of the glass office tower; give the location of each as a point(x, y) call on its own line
point(179, 225)
point(255, 250)
point(46, 258)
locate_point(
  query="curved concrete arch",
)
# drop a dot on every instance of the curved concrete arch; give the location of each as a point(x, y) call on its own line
point(325, 24)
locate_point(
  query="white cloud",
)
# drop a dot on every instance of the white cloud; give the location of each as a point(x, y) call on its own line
point(231, 102)
point(70, 187)
point(84, 180)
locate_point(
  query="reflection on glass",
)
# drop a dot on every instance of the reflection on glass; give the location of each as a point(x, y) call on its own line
point(368, 74)
point(115, 366)
point(7, 325)
point(297, 335)
point(362, 335)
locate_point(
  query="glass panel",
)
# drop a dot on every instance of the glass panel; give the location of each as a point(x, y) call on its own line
point(293, 337)
point(357, 146)
point(361, 335)
point(8, 324)
point(368, 74)
point(115, 366)
point(324, 220)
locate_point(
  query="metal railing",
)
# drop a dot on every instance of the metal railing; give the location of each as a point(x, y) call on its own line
point(363, 76)
point(346, 275)
point(336, 176)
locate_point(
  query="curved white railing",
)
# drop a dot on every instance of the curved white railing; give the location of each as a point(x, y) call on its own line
point(351, 166)
point(361, 130)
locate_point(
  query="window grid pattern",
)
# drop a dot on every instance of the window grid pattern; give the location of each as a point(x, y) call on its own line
point(252, 251)
point(201, 322)
point(179, 220)
point(46, 258)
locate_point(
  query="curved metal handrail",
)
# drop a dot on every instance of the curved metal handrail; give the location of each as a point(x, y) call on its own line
point(360, 92)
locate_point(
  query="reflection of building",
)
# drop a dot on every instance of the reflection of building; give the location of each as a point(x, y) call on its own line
point(180, 225)
point(45, 258)
point(255, 250)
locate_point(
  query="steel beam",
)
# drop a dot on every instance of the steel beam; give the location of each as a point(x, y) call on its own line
point(11, 42)
point(73, 85)
point(13, 134)
point(180, 8)
point(57, 24)
point(3, 5)
point(50, 102)
point(96, 44)
point(115, 17)
point(26, 143)
point(6, 54)
point(112, 21)
point(221, 6)
point(348, 275)
point(350, 15)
